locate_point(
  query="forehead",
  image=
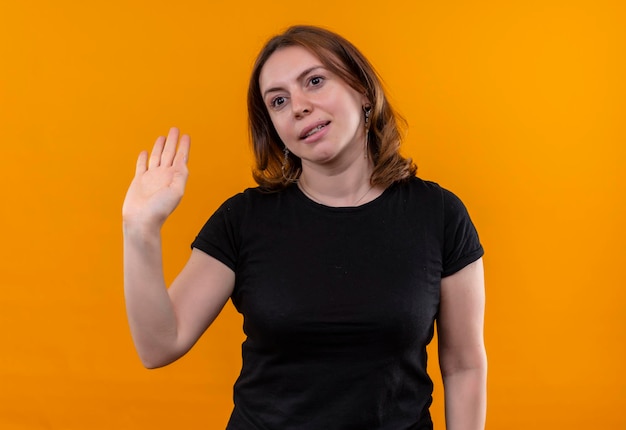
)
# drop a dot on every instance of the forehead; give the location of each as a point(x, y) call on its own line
point(285, 65)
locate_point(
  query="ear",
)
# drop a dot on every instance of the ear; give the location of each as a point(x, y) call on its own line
point(365, 101)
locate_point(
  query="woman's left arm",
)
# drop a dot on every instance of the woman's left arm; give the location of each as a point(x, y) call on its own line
point(462, 356)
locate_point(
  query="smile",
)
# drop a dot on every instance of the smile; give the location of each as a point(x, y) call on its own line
point(313, 130)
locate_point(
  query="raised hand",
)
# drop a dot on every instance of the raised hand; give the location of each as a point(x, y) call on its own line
point(159, 182)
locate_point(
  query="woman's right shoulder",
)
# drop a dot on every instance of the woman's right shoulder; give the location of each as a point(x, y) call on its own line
point(249, 198)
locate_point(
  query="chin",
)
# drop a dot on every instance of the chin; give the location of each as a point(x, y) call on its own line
point(324, 157)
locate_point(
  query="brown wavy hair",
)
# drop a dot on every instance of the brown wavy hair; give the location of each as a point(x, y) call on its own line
point(341, 57)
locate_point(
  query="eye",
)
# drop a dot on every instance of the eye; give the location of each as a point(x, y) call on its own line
point(276, 102)
point(316, 80)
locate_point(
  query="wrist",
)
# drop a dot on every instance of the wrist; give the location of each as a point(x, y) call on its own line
point(141, 229)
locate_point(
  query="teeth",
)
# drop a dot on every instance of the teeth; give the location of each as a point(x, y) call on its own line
point(315, 130)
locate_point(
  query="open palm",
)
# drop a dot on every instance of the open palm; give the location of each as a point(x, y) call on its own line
point(159, 182)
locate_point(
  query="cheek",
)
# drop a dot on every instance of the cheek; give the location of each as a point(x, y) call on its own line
point(352, 107)
point(281, 127)
point(354, 117)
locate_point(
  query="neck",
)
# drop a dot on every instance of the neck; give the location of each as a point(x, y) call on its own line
point(340, 188)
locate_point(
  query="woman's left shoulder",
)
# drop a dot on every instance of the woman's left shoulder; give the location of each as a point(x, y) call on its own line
point(432, 195)
point(432, 187)
point(418, 186)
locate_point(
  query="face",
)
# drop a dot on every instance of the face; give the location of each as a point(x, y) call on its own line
point(317, 114)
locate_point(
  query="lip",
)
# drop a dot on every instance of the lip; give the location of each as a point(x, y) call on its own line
point(303, 133)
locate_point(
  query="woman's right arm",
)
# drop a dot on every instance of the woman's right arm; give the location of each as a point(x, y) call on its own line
point(165, 323)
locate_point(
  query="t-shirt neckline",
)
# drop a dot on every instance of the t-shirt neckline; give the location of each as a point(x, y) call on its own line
point(312, 203)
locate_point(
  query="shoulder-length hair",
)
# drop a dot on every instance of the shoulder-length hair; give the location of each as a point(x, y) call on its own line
point(272, 170)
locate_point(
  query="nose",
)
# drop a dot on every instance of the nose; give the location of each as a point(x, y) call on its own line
point(300, 104)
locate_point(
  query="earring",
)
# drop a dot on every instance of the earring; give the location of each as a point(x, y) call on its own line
point(286, 165)
point(285, 161)
point(367, 109)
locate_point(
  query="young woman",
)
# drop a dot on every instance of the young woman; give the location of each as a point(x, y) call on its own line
point(341, 261)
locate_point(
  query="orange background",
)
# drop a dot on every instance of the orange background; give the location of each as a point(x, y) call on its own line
point(518, 107)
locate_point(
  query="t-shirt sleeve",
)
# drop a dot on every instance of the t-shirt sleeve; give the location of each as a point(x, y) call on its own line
point(219, 237)
point(461, 243)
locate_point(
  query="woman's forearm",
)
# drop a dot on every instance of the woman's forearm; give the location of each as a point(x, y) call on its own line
point(150, 312)
point(466, 398)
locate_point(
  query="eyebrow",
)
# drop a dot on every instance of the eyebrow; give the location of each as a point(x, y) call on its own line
point(300, 77)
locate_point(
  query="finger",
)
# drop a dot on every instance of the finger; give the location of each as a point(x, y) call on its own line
point(140, 168)
point(170, 147)
point(182, 154)
point(157, 150)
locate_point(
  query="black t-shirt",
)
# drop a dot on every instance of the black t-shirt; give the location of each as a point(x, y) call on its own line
point(338, 303)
